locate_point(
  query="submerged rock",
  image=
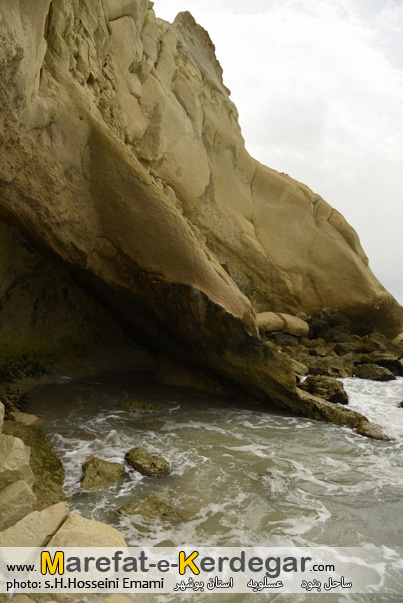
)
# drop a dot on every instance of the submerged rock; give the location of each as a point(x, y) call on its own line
point(326, 387)
point(139, 404)
point(373, 372)
point(152, 507)
point(97, 472)
point(148, 463)
point(372, 430)
point(24, 418)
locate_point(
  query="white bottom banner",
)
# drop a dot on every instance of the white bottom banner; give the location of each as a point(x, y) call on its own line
point(202, 570)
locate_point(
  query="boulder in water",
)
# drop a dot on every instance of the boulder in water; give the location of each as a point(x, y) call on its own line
point(147, 463)
point(373, 431)
point(97, 472)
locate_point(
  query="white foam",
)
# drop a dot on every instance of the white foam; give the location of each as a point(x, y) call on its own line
point(378, 401)
point(240, 475)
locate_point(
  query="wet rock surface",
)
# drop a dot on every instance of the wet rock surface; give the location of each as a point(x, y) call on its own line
point(78, 531)
point(97, 472)
point(148, 463)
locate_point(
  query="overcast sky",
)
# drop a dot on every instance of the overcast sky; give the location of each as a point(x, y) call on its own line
point(319, 89)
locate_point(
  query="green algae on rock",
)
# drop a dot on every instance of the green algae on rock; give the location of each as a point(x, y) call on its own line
point(147, 463)
point(97, 472)
point(152, 507)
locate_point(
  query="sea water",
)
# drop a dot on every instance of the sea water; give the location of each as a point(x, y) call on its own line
point(241, 475)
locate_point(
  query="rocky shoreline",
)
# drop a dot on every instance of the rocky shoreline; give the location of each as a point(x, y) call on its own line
point(326, 348)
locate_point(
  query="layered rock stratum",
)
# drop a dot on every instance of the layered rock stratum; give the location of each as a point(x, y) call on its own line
point(123, 172)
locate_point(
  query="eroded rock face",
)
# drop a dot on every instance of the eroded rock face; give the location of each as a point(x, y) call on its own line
point(121, 156)
point(373, 372)
point(152, 507)
point(35, 529)
point(47, 469)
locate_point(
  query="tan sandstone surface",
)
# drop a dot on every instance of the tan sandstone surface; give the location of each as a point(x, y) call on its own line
point(122, 163)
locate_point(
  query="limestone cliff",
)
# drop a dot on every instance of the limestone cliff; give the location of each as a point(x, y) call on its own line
point(122, 157)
